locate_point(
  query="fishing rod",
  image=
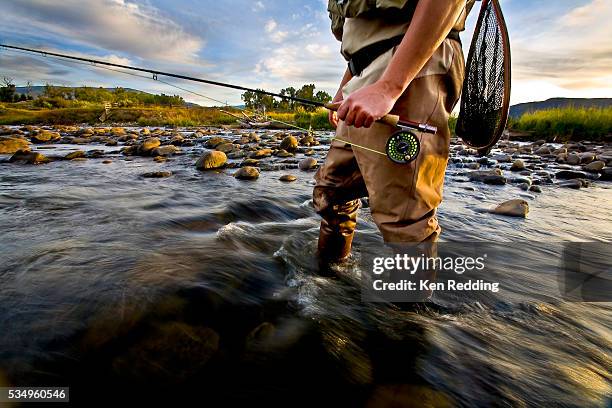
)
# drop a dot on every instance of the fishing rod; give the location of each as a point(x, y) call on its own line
point(402, 147)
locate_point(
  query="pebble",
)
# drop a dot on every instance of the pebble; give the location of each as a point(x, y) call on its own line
point(518, 165)
point(574, 183)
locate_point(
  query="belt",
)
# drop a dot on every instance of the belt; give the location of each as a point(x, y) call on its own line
point(365, 56)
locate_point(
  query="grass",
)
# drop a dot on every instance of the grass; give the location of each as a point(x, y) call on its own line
point(565, 124)
point(27, 114)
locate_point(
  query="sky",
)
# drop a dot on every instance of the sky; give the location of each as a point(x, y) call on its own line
point(560, 48)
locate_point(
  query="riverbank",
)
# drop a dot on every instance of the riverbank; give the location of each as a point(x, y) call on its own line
point(24, 114)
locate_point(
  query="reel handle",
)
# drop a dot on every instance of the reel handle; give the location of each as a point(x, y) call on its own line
point(391, 120)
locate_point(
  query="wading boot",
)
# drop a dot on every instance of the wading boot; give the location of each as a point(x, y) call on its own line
point(336, 237)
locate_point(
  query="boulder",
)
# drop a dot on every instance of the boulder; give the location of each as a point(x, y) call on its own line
point(289, 143)
point(211, 160)
point(308, 163)
point(287, 178)
point(28, 157)
point(247, 173)
point(586, 157)
point(513, 208)
point(10, 145)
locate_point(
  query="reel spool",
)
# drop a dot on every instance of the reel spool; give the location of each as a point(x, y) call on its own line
point(403, 147)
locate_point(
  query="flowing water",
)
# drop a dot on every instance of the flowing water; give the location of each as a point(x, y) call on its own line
point(110, 281)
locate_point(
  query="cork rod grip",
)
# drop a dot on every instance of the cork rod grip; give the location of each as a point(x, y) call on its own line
point(391, 120)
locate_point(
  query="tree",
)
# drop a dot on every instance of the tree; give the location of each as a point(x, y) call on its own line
point(7, 91)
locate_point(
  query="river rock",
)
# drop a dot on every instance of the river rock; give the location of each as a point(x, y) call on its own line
point(211, 160)
point(543, 150)
point(238, 154)
point(307, 140)
point(247, 173)
point(283, 153)
point(225, 147)
point(481, 174)
point(166, 150)
point(261, 153)
point(308, 163)
point(45, 137)
point(177, 140)
point(10, 145)
point(586, 157)
point(157, 174)
point(287, 178)
point(535, 189)
point(28, 157)
point(148, 145)
point(74, 155)
point(573, 159)
point(595, 166)
point(289, 143)
point(215, 141)
point(513, 208)
point(117, 131)
point(518, 165)
point(570, 174)
point(249, 162)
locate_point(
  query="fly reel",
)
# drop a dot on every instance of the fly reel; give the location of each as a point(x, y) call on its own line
point(403, 147)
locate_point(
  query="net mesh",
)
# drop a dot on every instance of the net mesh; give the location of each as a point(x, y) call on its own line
point(486, 88)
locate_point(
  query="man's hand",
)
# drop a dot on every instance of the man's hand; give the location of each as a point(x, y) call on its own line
point(367, 105)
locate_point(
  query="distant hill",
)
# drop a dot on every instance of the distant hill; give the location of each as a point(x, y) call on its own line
point(517, 110)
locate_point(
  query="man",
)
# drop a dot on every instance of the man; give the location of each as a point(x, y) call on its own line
point(404, 58)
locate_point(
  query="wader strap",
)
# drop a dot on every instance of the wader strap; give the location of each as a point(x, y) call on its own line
point(365, 56)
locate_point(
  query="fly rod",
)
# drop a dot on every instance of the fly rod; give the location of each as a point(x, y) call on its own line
point(392, 120)
point(402, 147)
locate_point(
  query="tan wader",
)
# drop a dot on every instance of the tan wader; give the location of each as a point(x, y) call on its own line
point(403, 197)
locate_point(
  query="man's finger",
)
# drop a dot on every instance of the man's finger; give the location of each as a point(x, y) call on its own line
point(350, 118)
point(368, 122)
point(360, 119)
point(343, 110)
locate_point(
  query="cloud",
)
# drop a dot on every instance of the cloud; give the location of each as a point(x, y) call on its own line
point(125, 26)
point(275, 35)
point(270, 26)
point(258, 6)
point(571, 53)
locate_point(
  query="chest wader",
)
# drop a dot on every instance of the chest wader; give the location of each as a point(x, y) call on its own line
point(347, 171)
